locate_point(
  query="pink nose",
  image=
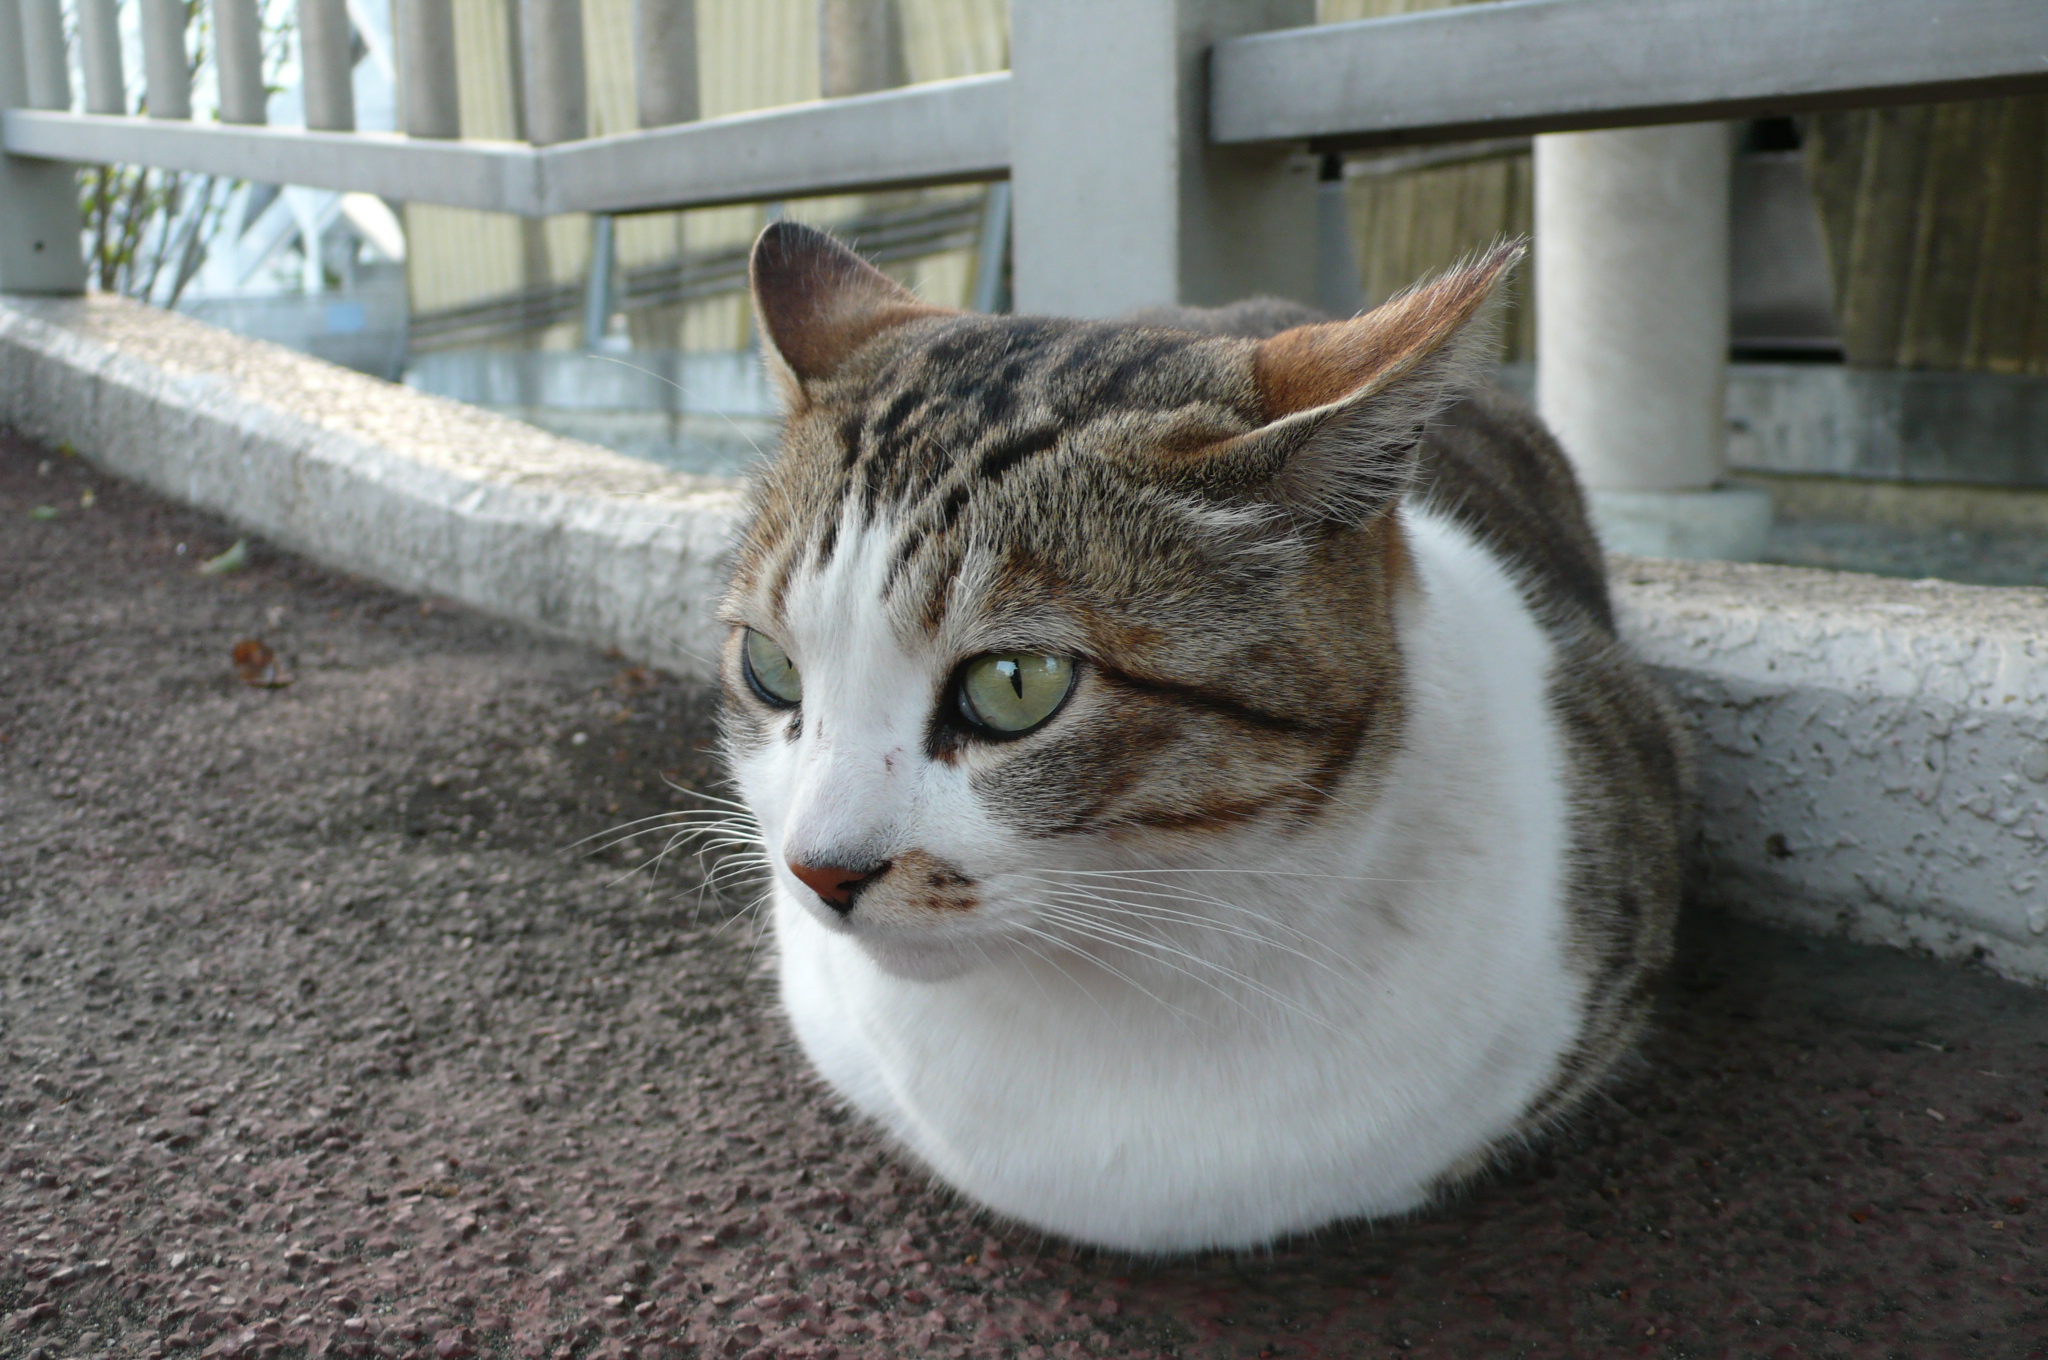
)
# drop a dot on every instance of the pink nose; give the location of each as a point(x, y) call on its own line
point(835, 884)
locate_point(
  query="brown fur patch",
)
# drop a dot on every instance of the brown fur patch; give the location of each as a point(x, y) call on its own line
point(941, 885)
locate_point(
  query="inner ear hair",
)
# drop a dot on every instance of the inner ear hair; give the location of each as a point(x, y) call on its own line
point(818, 302)
point(1348, 400)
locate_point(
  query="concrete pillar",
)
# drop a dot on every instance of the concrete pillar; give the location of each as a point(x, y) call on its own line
point(1121, 200)
point(551, 39)
point(238, 36)
point(327, 65)
point(99, 56)
point(39, 220)
point(665, 61)
point(49, 66)
point(428, 95)
point(166, 69)
point(860, 47)
point(1632, 334)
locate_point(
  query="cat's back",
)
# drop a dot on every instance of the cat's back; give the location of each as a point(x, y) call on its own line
point(1487, 464)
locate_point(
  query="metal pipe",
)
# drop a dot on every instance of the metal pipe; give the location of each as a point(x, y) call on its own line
point(1338, 290)
point(99, 54)
point(238, 58)
point(992, 252)
point(49, 67)
point(327, 65)
point(599, 288)
point(166, 69)
point(428, 93)
point(551, 39)
point(665, 56)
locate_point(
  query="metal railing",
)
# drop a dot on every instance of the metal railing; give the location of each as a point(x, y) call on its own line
point(1154, 146)
point(1522, 66)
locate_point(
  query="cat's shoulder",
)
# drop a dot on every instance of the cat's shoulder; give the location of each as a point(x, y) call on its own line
point(1489, 463)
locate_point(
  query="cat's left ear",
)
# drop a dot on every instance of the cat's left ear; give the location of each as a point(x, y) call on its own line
point(818, 302)
point(1346, 401)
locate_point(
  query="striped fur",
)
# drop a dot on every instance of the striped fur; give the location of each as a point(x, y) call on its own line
point(1354, 779)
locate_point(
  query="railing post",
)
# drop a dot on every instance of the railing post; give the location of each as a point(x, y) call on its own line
point(1121, 199)
point(166, 69)
point(551, 34)
point(665, 62)
point(327, 65)
point(49, 66)
point(1632, 334)
point(99, 54)
point(39, 221)
point(238, 58)
point(860, 47)
point(429, 102)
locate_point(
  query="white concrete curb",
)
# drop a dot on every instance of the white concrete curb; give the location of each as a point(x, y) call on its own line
point(1873, 753)
point(424, 493)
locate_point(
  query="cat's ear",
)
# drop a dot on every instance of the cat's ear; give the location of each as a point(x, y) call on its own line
point(1347, 401)
point(818, 302)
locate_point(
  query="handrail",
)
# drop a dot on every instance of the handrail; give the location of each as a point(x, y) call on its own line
point(1525, 66)
point(946, 131)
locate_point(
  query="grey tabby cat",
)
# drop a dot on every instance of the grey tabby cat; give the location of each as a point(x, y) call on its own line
point(1204, 792)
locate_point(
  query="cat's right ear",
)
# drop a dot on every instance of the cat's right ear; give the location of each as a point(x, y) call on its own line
point(818, 302)
point(1346, 402)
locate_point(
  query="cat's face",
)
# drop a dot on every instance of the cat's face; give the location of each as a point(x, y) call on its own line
point(1022, 599)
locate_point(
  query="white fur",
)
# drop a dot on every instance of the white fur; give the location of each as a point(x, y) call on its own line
point(1301, 1028)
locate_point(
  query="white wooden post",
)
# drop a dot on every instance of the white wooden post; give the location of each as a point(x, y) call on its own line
point(860, 47)
point(166, 69)
point(49, 67)
point(327, 65)
point(429, 102)
point(551, 34)
point(665, 61)
point(1632, 334)
point(99, 54)
point(1121, 200)
point(39, 221)
point(238, 39)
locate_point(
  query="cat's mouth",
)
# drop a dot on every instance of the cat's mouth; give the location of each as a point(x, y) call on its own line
point(916, 914)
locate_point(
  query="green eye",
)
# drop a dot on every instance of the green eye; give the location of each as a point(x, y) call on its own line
point(1011, 693)
point(770, 671)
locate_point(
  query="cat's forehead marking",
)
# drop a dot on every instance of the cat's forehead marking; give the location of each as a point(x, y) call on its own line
point(944, 437)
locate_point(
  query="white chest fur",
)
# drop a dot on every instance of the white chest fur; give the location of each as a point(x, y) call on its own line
point(1412, 998)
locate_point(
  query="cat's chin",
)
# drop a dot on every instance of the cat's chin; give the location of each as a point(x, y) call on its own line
point(919, 960)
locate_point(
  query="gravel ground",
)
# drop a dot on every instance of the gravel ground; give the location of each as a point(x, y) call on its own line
point(317, 1037)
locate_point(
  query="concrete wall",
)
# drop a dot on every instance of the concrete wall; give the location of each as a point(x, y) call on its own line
point(1873, 753)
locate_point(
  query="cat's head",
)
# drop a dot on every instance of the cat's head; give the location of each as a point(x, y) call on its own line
point(1023, 597)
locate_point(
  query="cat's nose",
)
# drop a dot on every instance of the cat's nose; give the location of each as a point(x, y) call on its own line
point(837, 884)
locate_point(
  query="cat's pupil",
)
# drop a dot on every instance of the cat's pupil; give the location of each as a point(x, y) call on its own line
point(1014, 673)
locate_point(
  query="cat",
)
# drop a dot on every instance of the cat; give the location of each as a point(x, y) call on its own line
point(1204, 796)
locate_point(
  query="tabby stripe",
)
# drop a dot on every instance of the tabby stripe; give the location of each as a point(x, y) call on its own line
point(995, 464)
point(1210, 701)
